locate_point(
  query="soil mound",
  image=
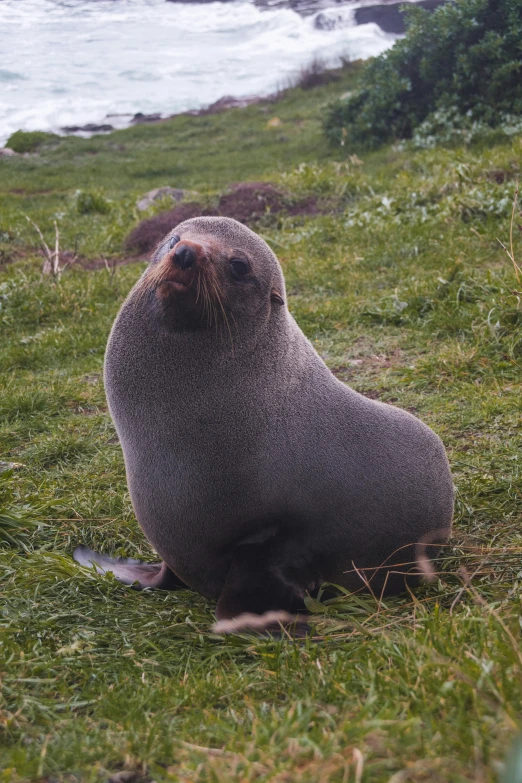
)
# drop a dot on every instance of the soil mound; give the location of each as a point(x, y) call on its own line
point(148, 233)
point(247, 202)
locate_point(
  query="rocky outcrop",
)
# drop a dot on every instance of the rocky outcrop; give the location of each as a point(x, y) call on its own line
point(140, 118)
point(229, 102)
point(91, 127)
point(387, 14)
point(390, 17)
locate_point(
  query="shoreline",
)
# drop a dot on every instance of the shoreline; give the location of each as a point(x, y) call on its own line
point(387, 15)
point(222, 104)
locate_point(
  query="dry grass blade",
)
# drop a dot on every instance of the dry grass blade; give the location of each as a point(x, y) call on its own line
point(511, 250)
point(51, 265)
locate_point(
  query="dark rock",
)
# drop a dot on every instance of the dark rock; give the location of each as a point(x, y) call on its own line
point(324, 22)
point(140, 118)
point(89, 128)
point(229, 102)
point(385, 14)
point(390, 18)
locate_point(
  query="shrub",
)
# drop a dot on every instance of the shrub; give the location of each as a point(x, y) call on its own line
point(29, 141)
point(465, 55)
point(90, 202)
point(315, 74)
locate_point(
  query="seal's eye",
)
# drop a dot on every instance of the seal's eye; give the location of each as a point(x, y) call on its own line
point(239, 268)
point(173, 241)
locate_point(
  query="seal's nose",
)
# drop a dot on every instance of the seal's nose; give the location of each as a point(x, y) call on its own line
point(185, 256)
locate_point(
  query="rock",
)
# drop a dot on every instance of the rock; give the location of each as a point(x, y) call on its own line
point(385, 13)
point(324, 22)
point(91, 127)
point(229, 102)
point(7, 152)
point(146, 201)
point(141, 118)
point(390, 18)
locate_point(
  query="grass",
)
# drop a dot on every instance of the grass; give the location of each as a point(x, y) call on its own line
point(407, 294)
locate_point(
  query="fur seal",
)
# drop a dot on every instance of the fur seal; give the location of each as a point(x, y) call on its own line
point(254, 473)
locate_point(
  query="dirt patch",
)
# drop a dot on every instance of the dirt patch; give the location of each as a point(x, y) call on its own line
point(9, 255)
point(500, 176)
point(247, 202)
point(149, 232)
point(23, 192)
point(250, 202)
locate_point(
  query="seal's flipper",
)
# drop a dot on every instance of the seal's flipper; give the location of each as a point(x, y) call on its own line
point(129, 571)
point(257, 584)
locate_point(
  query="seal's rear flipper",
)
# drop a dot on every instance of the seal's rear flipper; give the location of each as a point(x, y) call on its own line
point(128, 571)
point(257, 586)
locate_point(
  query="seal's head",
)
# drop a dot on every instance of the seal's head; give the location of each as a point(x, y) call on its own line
point(213, 270)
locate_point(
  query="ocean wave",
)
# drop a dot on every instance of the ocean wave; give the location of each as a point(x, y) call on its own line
point(75, 62)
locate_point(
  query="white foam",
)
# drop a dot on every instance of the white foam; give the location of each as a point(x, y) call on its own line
point(76, 61)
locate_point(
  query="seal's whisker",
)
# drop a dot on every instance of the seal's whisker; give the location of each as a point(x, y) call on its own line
point(208, 306)
point(198, 289)
point(218, 297)
point(150, 282)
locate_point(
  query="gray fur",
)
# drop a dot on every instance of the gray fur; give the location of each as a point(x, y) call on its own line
point(244, 437)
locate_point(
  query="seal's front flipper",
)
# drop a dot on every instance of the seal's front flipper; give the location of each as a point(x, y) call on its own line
point(258, 594)
point(128, 571)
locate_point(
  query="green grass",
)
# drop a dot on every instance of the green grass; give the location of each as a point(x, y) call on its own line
point(407, 295)
point(196, 153)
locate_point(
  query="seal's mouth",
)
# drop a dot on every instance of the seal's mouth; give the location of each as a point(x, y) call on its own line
point(186, 283)
point(175, 280)
point(180, 271)
point(176, 285)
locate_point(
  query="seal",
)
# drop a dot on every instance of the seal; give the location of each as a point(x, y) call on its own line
point(254, 473)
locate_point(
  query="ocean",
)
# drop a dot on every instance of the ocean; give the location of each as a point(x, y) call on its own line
point(73, 62)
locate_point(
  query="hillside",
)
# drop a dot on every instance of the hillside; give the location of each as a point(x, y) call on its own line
point(401, 283)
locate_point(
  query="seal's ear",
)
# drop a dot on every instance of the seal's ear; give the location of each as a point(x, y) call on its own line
point(276, 297)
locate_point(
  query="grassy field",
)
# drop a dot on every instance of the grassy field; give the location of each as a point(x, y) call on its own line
point(408, 296)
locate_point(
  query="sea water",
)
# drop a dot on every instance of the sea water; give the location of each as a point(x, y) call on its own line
point(72, 62)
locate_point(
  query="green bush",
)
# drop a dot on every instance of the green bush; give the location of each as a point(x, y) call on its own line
point(465, 56)
point(29, 141)
point(90, 202)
